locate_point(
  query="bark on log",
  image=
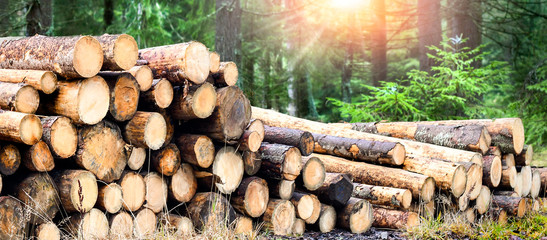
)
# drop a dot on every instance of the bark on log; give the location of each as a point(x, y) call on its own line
point(60, 135)
point(133, 190)
point(210, 209)
point(525, 157)
point(327, 219)
point(252, 162)
point(20, 127)
point(156, 192)
point(178, 62)
point(282, 189)
point(214, 62)
point(19, 97)
point(169, 127)
point(70, 57)
point(144, 76)
point(159, 96)
point(335, 190)
point(47, 231)
point(279, 216)
point(229, 119)
point(121, 226)
point(482, 203)
point(357, 216)
point(146, 130)
point(313, 173)
point(180, 226)
point(508, 177)
point(196, 102)
point(90, 225)
point(10, 159)
point(280, 161)
point(84, 101)
point(124, 96)
point(183, 185)
point(78, 190)
point(38, 194)
point(448, 176)
point(37, 157)
point(44, 81)
point(197, 150)
point(377, 195)
point(145, 223)
point(508, 160)
point(137, 157)
point(227, 74)
point(120, 51)
point(12, 218)
point(491, 170)
point(251, 197)
point(110, 198)
point(514, 206)
point(307, 206)
point(166, 160)
point(304, 141)
point(394, 219)
point(377, 152)
point(422, 187)
point(101, 151)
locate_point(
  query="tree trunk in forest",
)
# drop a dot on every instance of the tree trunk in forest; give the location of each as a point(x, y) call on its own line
point(379, 42)
point(467, 23)
point(39, 16)
point(347, 68)
point(429, 31)
point(228, 30)
point(108, 14)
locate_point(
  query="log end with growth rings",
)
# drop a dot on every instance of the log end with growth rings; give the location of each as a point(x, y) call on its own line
point(88, 57)
point(327, 219)
point(536, 184)
point(283, 217)
point(64, 138)
point(197, 62)
point(406, 199)
point(428, 190)
point(155, 131)
point(230, 73)
point(205, 151)
point(27, 100)
point(163, 93)
point(254, 141)
point(228, 166)
point(84, 191)
point(125, 97)
point(521, 208)
point(126, 51)
point(484, 140)
point(459, 181)
point(214, 59)
point(313, 173)
point(518, 135)
point(204, 100)
point(48, 82)
point(144, 76)
point(474, 181)
point(482, 203)
point(361, 217)
point(495, 171)
point(398, 153)
point(292, 165)
point(256, 198)
point(93, 100)
point(30, 129)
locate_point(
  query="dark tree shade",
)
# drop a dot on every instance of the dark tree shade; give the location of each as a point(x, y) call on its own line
point(228, 28)
point(429, 30)
point(38, 17)
point(379, 42)
point(466, 22)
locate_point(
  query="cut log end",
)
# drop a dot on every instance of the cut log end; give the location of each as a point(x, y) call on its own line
point(93, 100)
point(163, 93)
point(518, 135)
point(47, 231)
point(136, 158)
point(197, 62)
point(256, 198)
point(470, 215)
point(428, 190)
point(299, 227)
point(133, 191)
point(526, 175)
point(292, 165)
point(27, 100)
point(30, 129)
point(183, 184)
point(88, 57)
point(361, 216)
point(406, 199)
point(309, 208)
point(155, 131)
point(156, 192)
point(256, 125)
point(509, 177)
point(307, 143)
point(63, 138)
point(110, 198)
point(228, 166)
point(126, 52)
point(459, 181)
point(144, 77)
point(536, 184)
point(13, 218)
point(252, 141)
point(121, 226)
point(327, 219)
point(145, 223)
point(282, 217)
point(508, 160)
point(286, 189)
point(38, 158)
point(482, 203)
point(124, 97)
point(495, 171)
point(83, 191)
point(474, 181)
point(205, 151)
point(91, 225)
point(214, 60)
point(313, 173)
point(10, 159)
point(521, 210)
point(48, 82)
point(485, 140)
point(204, 101)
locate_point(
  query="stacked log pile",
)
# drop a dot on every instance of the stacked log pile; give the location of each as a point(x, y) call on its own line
point(101, 140)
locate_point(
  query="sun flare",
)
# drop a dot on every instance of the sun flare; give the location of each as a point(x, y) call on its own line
point(347, 4)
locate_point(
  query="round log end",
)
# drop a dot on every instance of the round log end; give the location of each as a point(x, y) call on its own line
point(126, 51)
point(521, 209)
point(513, 175)
point(112, 197)
point(133, 191)
point(463, 202)
point(413, 220)
point(307, 144)
point(136, 158)
point(155, 131)
point(254, 142)
point(256, 125)
point(256, 198)
point(48, 231)
point(529, 155)
point(197, 62)
point(163, 93)
point(292, 165)
point(27, 100)
point(125, 97)
point(93, 100)
point(286, 189)
point(84, 191)
point(474, 181)
point(459, 181)
point(495, 171)
point(361, 218)
point(407, 199)
point(10, 159)
point(13, 219)
point(214, 62)
point(121, 226)
point(156, 192)
point(518, 135)
point(327, 220)
point(48, 82)
point(228, 166)
point(93, 225)
point(428, 190)
point(283, 217)
point(204, 100)
point(482, 203)
point(64, 138)
point(508, 160)
point(144, 76)
point(205, 151)
point(41, 158)
point(88, 56)
point(398, 153)
point(30, 129)
point(526, 174)
point(299, 227)
point(183, 184)
point(305, 206)
point(243, 225)
point(313, 173)
point(230, 73)
point(536, 184)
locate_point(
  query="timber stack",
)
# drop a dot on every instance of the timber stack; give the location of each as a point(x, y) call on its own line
point(102, 140)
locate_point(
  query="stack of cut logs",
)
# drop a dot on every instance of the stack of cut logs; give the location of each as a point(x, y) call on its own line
point(117, 143)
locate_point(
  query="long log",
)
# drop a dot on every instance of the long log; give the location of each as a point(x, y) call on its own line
point(304, 141)
point(37, 157)
point(378, 195)
point(136, 157)
point(70, 57)
point(47, 231)
point(20, 127)
point(12, 218)
point(10, 158)
point(211, 209)
point(279, 216)
point(159, 96)
point(178, 62)
point(121, 226)
point(514, 206)
point(335, 190)
point(124, 96)
point(214, 60)
point(133, 190)
point(313, 173)
point(78, 190)
point(183, 184)
point(227, 74)
point(327, 219)
point(146, 130)
point(394, 219)
point(90, 225)
point(120, 51)
point(166, 160)
point(282, 189)
point(491, 170)
point(251, 197)
point(482, 203)
point(156, 192)
point(38, 194)
point(422, 187)
point(280, 161)
point(357, 216)
point(307, 206)
point(60, 135)
point(196, 102)
point(101, 150)
point(145, 223)
point(19, 97)
point(44, 81)
point(525, 157)
point(448, 176)
point(110, 198)
point(197, 150)
point(252, 162)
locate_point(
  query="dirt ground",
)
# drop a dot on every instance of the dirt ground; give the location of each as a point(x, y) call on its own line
point(373, 233)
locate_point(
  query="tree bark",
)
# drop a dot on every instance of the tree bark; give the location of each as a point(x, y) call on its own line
point(159, 96)
point(514, 206)
point(429, 31)
point(60, 135)
point(304, 141)
point(12, 218)
point(10, 159)
point(279, 216)
point(166, 160)
point(228, 30)
point(197, 150)
point(356, 216)
point(387, 196)
point(44, 81)
point(183, 185)
point(508, 160)
point(379, 43)
point(196, 102)
point(78, 190)
point(19, 97)
point(39, 16)
point(146, 130)
point(467, 22)
point(210, 209)
point(110, 198)
point(251, 197)
point(394, 219)
point(120, 51)
point(20, 127)
point(335, 190)
point(37, 157)
point(124, 96)
point(280, 161)
point(37, 193)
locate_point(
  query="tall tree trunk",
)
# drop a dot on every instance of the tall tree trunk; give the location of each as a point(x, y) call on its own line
point(5, 22)
point(466, 22)
point(429, 30)
point(379, 43)
point(266, 71)
point(39, 16)
point(108, 15)
point(249, 61)
point(347, 71)
point(228, 29)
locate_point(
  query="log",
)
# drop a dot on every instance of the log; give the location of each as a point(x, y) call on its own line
point(536, 184)
point(335, 190)
point(20, 127)
point(498, 215)
point(494, 150)
point(313, 173)
point(279, 216)
point(124, 96)
point(47, 231)
point(183, 184)
point(252, 162)
point(491, 170)
point(38, 195)
point(144, 76)
point(508, 160)
point(421, 186)
point(243, 226)
point(120, 51)
point(532, 205)
point(10, 159)
point(101, 150)
point(526, 174)
point(121, 226)
point(519, 185)
point(507, 193)
point(448, 176)
point(426, 210)
point(543, 177)
point(299, 227)
point(196, 102)
point(227, 74)
point(226, 171)
point(133, 190)
point(156, 192)
point(465, 137)
point(280, 161)
point(508, 177)
point(110, 198)
point(37, 157)
point(44, 81)
point(394, 219)
point(470, 215)
point(377, 152)
point(146, 130)
point(197, 150)
point(251, 197)
point(357, 216)
point(178, 62)
point(19, 97)
point(307, 206)
point(282, 189)
point(145, 223)
point(229, 119)
point(214, 62)
point(78, 190)
point(276, 119)
point(377, 195)
point(463, 202)
point(256, 125)
point(159, 96)
point(327, 219)
point(12, 218)
point(525, 157)
point(85, 101)
point(514, 206)
point(60, 135)
point(90, 225)
point(166, 160)
point(137, 157)
point(474, 179)
point(482, 203)
point(180, 226)
point(69, 57)
point(304, 141)
point(249, 141)
point(170, 127)
point(210, 209)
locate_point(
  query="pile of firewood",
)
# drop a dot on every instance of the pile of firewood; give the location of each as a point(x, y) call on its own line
point(117, 143)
